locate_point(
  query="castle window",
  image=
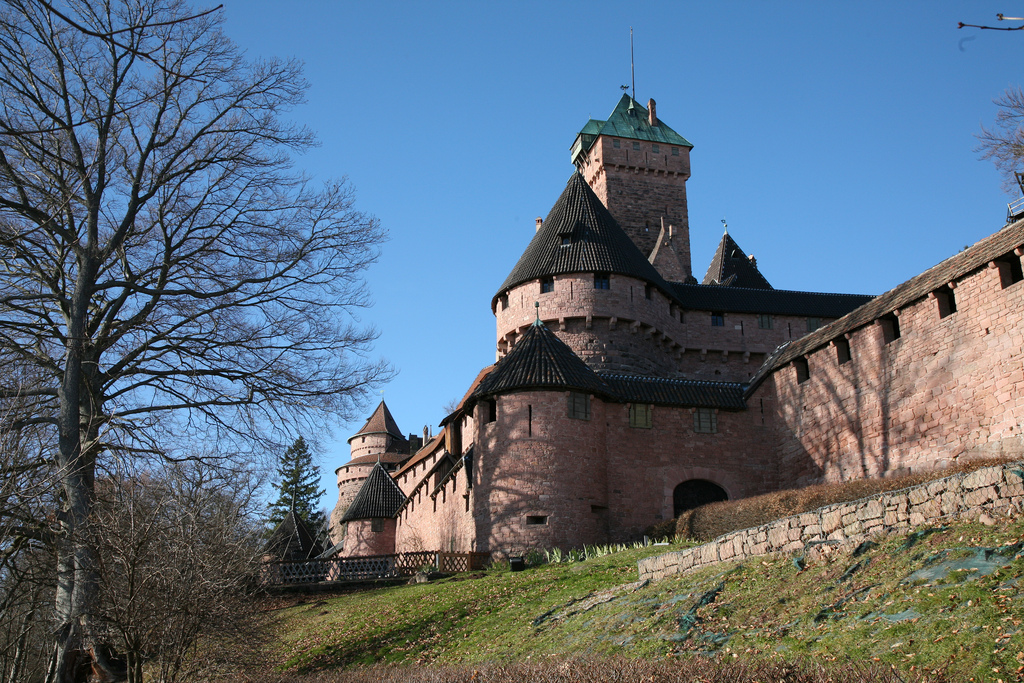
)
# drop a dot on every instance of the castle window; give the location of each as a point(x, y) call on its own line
point(602, 281)
point(636, 145)
point(764, 321)
point(717, 319)
point(536, 520)
point(647, 291)
point(803, 370)
point(566, 240)
point(377, 525)
point(842, 350)
point(675, 151)
point(579, 405)
point(946, 299)
point(705, 421)
point(1010, 271)
point(682, 319)
point(491, 410)
point(813, 324)
point(503, 301)
point(654, 148)
point(547, 284)
point(890, 328)
point(640, 415)
point(615, 143)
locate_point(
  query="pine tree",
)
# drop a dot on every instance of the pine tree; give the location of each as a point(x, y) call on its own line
point(298, 482)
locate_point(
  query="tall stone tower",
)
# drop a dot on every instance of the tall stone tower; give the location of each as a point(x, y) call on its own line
point(638, 167)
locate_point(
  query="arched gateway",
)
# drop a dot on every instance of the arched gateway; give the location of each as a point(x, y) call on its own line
point(694, 493)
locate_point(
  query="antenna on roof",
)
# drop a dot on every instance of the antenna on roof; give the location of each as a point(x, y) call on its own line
point(632, 75)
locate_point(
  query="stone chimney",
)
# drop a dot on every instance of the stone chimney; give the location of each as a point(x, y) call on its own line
point(540, 222)
point(652, 116)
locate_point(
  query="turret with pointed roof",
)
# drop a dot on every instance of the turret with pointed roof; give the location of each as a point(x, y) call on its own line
point(732, 267)
point(580, 236)
point(638, 166)
point(379, 435)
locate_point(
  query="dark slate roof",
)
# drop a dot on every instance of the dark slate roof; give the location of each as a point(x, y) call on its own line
point(381, 422)
point(627, 120)
point(732, 267)
point(292, 540)
point(379, 496)
point(775, 301)
point(953, 268)
point(675, 392)
point(596, 243)
point(540, 360)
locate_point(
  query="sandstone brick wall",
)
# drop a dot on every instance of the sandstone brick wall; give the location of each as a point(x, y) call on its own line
point(836, 527)
point(368, 444)
point(621, 330)
point(360, 539)
point(641, 187)
point(948, 388)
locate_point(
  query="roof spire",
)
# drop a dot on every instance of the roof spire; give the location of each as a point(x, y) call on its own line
point(537, 322)
point(632, 75)
point(726, 226)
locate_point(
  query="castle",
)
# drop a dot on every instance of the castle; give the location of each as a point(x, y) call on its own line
point(625, 391)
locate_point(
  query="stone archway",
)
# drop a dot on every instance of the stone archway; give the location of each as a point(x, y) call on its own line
point(694, 493)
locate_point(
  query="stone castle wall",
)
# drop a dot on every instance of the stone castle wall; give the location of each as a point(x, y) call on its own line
point(361, 539)
point(844, 525)
point(640, 187)
point(948, 388)
point(622, 330)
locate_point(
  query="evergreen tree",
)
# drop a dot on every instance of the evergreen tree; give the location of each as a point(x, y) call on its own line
point(298, 481)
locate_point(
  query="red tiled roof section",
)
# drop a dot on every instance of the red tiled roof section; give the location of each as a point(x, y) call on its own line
point(381, 422)
point(387, 458)
point(422, 454)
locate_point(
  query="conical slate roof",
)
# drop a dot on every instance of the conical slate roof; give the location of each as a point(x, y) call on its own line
point(540, 360)
point(381, 422)
point(379, 496)
point(292, 540)
point(580, 236)
point(730, 266)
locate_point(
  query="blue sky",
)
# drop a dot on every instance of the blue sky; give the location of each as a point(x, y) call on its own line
point(837, 139)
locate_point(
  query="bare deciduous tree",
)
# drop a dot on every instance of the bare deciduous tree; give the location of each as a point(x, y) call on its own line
point(164, 273)
point(1003, 143)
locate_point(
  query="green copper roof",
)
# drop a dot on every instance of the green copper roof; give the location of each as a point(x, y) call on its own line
point(628, 120)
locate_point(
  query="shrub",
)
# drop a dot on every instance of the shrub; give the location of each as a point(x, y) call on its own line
point(715, 519)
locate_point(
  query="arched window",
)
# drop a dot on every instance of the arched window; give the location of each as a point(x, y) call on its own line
point(694, 493)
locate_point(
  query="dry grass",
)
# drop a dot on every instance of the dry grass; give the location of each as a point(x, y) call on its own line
point(711, 521)
point(610, 670)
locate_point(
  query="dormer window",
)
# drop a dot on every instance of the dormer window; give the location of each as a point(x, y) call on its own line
point(547, 284)
point(566, 240)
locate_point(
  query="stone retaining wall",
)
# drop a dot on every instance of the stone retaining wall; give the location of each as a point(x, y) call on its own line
point(991, 489)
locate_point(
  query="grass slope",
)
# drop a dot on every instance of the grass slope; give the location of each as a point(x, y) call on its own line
point(944, 600)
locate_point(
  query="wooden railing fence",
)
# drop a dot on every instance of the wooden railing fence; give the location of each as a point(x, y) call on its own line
point(368, 567)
